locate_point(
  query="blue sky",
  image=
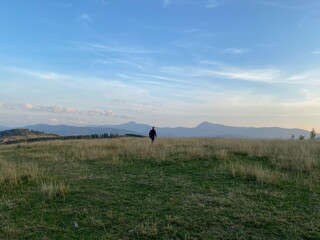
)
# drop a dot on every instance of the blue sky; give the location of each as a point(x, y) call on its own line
point(161, 62)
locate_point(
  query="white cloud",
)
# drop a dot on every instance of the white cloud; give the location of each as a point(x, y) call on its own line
point(59, 110)
point(306, 78)
point(218, 70)
point(215, 70)
point(28, 106)
point(235, 50)
point(315, 52)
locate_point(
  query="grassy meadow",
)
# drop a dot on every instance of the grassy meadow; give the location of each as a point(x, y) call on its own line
point(127, 188)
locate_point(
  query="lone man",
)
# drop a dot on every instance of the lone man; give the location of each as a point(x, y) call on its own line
point(152, 134)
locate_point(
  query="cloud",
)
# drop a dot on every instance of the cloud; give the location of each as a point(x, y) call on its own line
point(306, 78)
point(59, 110)
point(316, 52)
point(219, 70)
point(216, 70)
point(163, 78)
point(116, 48)
point(49, 75)
point(28, 106)
point(234, 50)
point(107, 112)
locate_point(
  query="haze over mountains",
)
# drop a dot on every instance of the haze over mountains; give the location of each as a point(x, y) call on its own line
point(204, 129)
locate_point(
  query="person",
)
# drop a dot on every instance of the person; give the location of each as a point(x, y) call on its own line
point(152, 134)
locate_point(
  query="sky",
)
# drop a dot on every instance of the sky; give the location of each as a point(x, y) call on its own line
point(166, 63)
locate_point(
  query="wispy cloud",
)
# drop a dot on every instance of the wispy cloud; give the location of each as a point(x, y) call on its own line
point(164, 81)
point(212, 70)
point(116, 48)
point(316, 52)
point(235, 50)
point(256, 75)
point(215, 70)
point(311, 77)
point(45, 75)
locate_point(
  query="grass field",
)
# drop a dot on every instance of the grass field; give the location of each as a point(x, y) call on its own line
point(126, 188)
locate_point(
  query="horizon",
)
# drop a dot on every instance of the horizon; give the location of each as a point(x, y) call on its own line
point(165, 63)
point(156, 127)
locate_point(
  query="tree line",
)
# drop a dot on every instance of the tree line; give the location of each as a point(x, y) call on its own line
point(77, 137)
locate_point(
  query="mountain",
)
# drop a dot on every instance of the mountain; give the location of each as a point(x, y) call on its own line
point(65, 130)
point(133, 126)
point(204, 129)
point(207, 129)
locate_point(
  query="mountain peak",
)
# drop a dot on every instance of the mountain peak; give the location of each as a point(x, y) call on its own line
point(205, 124)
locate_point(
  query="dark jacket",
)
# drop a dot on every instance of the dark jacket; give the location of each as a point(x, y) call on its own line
point(152, 134)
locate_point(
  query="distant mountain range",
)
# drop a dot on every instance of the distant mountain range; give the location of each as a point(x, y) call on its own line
point(204, 129)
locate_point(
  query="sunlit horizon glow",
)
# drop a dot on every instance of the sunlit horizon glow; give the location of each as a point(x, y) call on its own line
point(166, 63)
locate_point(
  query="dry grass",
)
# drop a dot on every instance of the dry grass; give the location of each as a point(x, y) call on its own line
point(54, 189)
point(257, 173)
point(292, 155)
point(301, 156)
point(14, 174)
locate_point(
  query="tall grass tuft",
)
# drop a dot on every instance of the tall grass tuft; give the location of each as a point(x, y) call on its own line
point(257, 173)
point(54, 189)
point(14, 174)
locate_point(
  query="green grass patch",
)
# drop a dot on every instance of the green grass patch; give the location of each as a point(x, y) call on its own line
point(174, 189)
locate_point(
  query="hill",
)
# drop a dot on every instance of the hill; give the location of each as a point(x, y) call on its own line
point(19, 134)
